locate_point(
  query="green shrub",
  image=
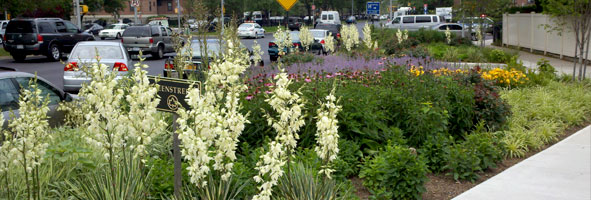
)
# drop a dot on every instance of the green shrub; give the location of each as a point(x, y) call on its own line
point(435, 150)
point(478, 152)
point(395, 173)
point(348, 160)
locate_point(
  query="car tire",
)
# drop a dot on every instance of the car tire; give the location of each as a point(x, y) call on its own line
point(118, 36)
point(102, 38)
point(273, 58)
point(159, 54)
point(54, 53)
point(18, 57)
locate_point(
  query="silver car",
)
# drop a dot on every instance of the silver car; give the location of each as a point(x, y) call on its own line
point(112, 54)
point(11, 83)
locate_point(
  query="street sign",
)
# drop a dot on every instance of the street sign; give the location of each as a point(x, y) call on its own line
point(172, 92)
point(425, 8)
point(135, 3)
point(287, 4)
point(373, 8)
point(313, 7)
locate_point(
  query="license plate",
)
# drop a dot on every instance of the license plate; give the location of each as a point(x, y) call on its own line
point(190, 67)
point(20, 46)
point(174, 74)
point(136, 49)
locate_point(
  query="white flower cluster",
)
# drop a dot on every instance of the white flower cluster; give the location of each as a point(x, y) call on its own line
point(478, 35)
point(257, 53)
point(329, 43)
point(306, 37)
point(402, 36)
point(288, 106)
point(447, 35)
point(143, 100)
point(350, 36)
point(210, 130)
point(29, 132)
point(110, 124)
point(283, 40)
point(106, 124)
point(327, 134)
point(367, 36)
point(6, 157)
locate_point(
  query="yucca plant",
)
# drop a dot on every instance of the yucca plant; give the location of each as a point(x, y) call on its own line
point(304, 183)
point(130, 183)
point(215, 189)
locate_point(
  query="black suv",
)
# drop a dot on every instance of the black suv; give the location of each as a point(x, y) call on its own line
point(42, 36)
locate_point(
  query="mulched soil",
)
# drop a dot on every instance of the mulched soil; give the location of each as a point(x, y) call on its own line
point(440, 186)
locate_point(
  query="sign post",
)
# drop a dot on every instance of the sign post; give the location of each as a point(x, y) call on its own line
point(135, 4)
point(172, 94)
point(373, 8)
point(287, 4)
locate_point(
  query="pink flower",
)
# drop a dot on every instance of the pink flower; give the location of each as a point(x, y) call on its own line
point(338, 74)
point(260, 81)
point(377, 73)
point(268, 92)
point(308, 79)
point(268, 84)
point(384, 69)
point(380, 63)
point(328, 76)
point(384, 58)
point(249, 97)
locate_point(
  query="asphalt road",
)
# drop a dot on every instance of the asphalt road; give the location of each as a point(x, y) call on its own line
point(54, 71)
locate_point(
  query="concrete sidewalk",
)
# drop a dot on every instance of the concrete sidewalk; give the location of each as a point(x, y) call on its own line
point(530, 60)
point(563, 171)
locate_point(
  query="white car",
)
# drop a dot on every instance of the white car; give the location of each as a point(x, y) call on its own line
point(113, 31)
point(251, 30)
point(319, 36)
point(3, 24)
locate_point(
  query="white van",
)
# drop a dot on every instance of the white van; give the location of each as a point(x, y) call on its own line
point(257, 16)
point(415, 22)
point(329, 17)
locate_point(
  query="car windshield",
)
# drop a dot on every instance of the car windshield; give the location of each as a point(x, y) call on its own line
point(90, 52)
point(114, 26)
point(20, 27)
point(213, 47)
point(329, 27)
point(317, 34)
point(137, 31)
point(246, 25)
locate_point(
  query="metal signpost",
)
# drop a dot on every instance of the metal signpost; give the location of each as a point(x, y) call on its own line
point(373, 8)
point(287, 4)
point(172, 94)
point(78, 19)
point(135, 4)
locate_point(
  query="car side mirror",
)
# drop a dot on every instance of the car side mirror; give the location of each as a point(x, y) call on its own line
point(68, 97)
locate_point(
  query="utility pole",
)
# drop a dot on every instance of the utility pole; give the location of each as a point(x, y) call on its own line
point(222, 16)
point(351, 7)
point(135, 15)
point(78, 20)
point(390, 9)
point(178, 7)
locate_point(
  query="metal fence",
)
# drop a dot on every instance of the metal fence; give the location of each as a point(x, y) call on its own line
point(527, 30)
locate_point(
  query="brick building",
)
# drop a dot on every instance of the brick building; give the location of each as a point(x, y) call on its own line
point(146, 9)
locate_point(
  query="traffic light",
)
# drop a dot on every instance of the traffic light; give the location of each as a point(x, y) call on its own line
point(83, 9)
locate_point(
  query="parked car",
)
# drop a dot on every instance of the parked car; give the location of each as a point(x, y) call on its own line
point(351, 20)
point(160, 21)
point(112, 54)
point(274, 50)
point(334, 29)
point(93, 28)
point(294, 23)
point(155, 40)
point(329, 17)
point(42, 36)
point(453, 28)
point(319, 37)
point(113, 31)
point(3, 24)
point(11, 83)
point(251, 30)
point(383, 17)
point(196, 67)
point(415, 22)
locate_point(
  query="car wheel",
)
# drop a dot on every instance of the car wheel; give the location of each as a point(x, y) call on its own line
point(54, 53)
point(19, 57)
point(102, 38)
point(118, 36)
point(159, 54)
point(273, 58)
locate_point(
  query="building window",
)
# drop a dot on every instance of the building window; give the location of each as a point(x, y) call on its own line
point(169, 4)
point(130, 7)
point(149, 3)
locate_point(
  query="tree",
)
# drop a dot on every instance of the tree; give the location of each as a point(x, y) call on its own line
point(575, 16)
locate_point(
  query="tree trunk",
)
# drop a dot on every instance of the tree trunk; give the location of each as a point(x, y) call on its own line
point(575, 60)
point(586, 54)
